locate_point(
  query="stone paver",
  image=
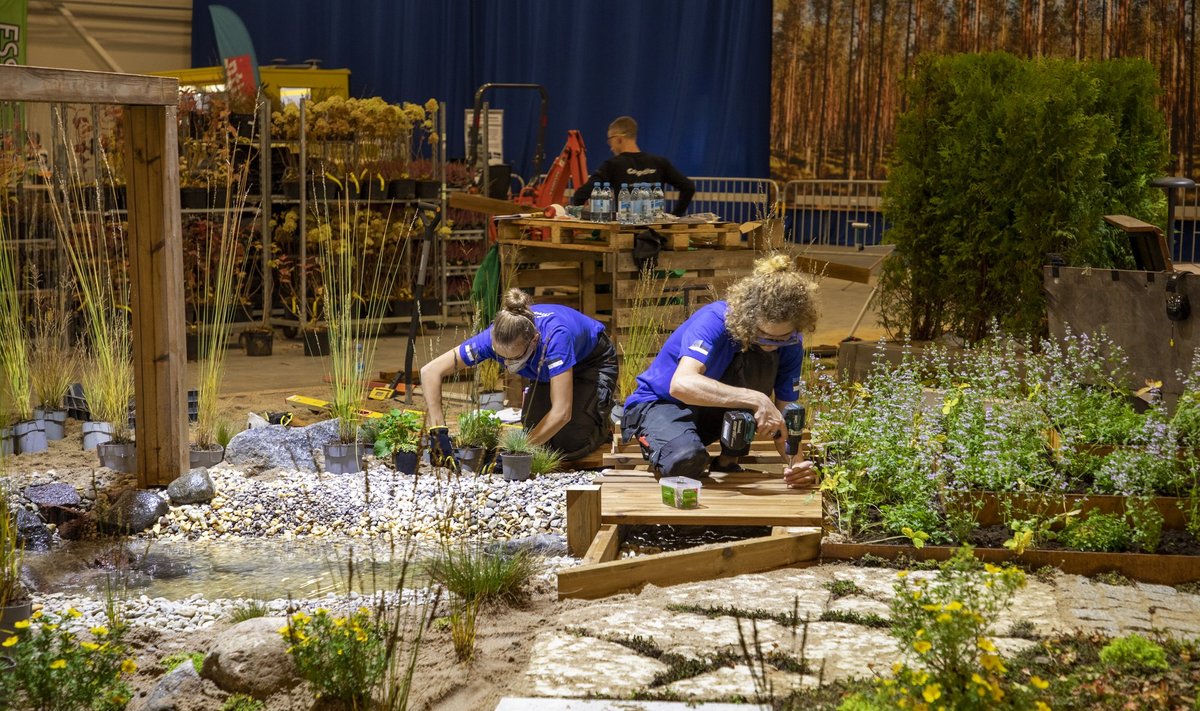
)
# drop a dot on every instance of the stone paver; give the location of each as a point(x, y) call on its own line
point(568, 665)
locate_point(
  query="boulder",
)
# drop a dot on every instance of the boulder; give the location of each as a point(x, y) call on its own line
point(195, 487)
point(547, 544)
point(251, 658)
point(176, 691)
point(56, 494)
point(280, 447)
point(32, 531)
point(134, 511)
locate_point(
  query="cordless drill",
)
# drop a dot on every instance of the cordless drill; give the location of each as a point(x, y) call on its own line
point(793, 420)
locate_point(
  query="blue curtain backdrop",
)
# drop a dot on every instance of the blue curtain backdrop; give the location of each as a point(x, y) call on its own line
point(694, 73)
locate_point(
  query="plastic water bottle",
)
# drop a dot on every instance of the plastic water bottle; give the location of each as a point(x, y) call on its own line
point(606, 211)
point(647, 204)
point(657, 202)
point(624, 207)
point(596, 201)
point(359, 367)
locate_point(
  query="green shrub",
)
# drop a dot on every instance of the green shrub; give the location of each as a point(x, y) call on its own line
point(546, 460)
point(241, 702)
point(57, 670)
point(344, 658)
point(479, 428)
point(1097, 532)
point(1134, 653)
point(400, 431)
point(1000, 161)
point(171, 661)
point(475, 574)
point(248, 610)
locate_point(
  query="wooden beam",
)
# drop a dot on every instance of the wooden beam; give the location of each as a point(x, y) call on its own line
point(583, 517)
point(605, 546)
point(18, 83)
point(1125, 223)
point(718, 560)
point(156, 261)
point(486, 205)
point(824, 267)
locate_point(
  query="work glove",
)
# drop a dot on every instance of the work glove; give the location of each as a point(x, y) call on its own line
point(441, 447)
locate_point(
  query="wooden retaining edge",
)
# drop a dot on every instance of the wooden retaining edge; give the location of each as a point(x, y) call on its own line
point(709, 562)
point(1143, 567)
point(1052, 505)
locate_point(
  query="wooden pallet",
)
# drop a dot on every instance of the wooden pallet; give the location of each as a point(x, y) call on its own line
point(614, 236)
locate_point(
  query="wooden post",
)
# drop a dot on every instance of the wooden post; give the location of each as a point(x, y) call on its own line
point(583, 517)
point(156, 264)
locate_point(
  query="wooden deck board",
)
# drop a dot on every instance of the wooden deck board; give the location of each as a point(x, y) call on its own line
point(744, 499)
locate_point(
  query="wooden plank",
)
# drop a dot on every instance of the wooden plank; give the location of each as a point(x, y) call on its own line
point(718, 560)
point(533, 278)
point(1125, 223)
point(765, 502)
point(583, 517)
point(156, 260)
point(588, 285)
point(845, 272)
point(484, 204)
point(605, 546)
point(1155, 568)
point(732, 259)
point(19, 83)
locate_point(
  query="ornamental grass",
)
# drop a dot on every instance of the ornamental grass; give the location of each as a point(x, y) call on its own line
point(643, 330)
point(14, 340)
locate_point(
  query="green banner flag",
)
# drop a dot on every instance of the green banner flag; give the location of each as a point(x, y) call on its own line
point(12, 31)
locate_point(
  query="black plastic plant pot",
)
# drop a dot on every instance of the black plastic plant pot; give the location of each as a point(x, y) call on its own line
point(428, 189)
point(516, 467)
point(316, 343)
point(402, 189)
point(258, 343)
point(405, 462)
point(206, 457)
point(471, 459)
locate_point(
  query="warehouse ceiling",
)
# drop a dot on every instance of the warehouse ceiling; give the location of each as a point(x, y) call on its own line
point(108, 35)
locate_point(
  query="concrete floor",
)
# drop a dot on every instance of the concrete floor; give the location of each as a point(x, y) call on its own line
point(840, 303)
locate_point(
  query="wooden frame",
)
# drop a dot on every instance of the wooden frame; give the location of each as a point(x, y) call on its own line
point(156, 251)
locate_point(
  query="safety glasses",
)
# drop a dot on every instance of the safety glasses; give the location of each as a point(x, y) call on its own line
point(766, 340)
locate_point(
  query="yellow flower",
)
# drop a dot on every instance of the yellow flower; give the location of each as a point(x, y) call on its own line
point(916, 595)
point(986, 644)
point(922, 646)
point(992, 663)
point(944, 617)
point(932, 693)
point(954, 606)
point(89, 646)
point(1041, 706)
point(99, 631)
point(73, 612)
point(37, 616)
point(896, 667)
point(931, 608)
point(991, 568)
point(129, 666)
point(58, 664)
point(283, 630)
point(10, 641)
point(1038, 682)
point(21, 624)
point(902, 574)
point(978, 679)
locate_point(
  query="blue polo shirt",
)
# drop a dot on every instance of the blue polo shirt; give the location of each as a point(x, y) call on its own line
point(704, 338)
point(566, 338)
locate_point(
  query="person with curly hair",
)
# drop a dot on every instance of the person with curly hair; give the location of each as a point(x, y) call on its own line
point(728, 355)
point(566, 355)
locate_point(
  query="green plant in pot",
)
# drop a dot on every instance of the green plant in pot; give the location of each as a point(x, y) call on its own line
point(478, 432)
point(398, 435)
point(14, 351)
point(53, 362)
point(518, 453)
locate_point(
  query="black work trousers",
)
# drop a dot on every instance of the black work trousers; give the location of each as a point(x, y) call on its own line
point(594, 381)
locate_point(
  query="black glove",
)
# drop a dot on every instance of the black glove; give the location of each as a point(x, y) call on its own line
point(441, 447)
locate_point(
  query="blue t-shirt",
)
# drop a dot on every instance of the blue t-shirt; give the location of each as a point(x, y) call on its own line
point(566, 338)
point(704, 338)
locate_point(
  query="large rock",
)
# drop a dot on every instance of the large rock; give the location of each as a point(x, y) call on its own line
point(32, 531)
point(177, 691)
point(134, 511)
point(56, 494)
point(251, 658)
point(195, 487)
point(277, 446)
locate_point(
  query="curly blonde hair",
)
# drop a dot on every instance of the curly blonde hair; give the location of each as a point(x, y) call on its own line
point(776, 292)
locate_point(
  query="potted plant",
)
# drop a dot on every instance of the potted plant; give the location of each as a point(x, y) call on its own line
point(15, 604)
point(478, 432)
point(398, 435)
point(30, 433)
point(517, 454)
point(491, 385)
point(52, 366)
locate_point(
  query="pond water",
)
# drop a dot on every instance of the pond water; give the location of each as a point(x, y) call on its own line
point(261, 569)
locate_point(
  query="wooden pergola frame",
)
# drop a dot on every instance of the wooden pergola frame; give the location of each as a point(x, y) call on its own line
point(155, 245)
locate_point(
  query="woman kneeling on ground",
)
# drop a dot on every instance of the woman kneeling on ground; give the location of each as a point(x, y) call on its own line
point(566, 355)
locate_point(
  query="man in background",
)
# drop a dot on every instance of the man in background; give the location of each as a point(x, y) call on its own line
point(630, 165)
